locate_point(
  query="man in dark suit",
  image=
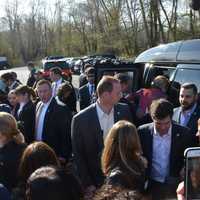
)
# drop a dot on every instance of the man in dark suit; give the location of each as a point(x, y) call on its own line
point(87, 92)
point(189, 111)
point(57, 80)
point(90, 127)
point(52, 122)
point(163, 143)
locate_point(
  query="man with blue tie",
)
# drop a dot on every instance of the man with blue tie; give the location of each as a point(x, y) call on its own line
point(87, 91)
point(163, 144)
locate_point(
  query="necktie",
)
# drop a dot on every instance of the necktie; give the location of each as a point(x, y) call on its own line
point(38, 113)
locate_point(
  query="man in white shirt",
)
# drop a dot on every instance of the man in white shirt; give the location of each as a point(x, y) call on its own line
point(90, 127)
point(53, 122)
point(163, 143)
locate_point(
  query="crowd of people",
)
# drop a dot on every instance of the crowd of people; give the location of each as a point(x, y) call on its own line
point(116, 145)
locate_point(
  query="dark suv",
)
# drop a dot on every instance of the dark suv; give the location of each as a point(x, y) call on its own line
point(179, 61)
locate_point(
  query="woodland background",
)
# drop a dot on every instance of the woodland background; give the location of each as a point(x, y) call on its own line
point(69, 28)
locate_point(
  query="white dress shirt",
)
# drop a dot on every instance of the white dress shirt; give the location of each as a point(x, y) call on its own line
point(106, 120)
point(55, 86)
point(40, 124)
point(161, 156)
point(20, 108)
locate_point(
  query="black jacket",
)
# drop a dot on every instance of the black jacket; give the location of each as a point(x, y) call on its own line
point(27, 119)
point(181, 139)
point(56, 129)
point(87, 142)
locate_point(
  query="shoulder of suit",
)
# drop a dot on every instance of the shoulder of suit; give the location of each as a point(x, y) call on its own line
point(122, 105)
point(180, 128)
point(86, 111)
point(145, 126)
point(83, 87)
point(177, 109)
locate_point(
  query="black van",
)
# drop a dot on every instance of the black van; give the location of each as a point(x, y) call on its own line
point(179, 61)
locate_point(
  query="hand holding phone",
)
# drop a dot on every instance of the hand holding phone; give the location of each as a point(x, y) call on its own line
point(192, 173)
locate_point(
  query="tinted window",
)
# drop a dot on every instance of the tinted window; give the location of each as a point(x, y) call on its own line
point(132, 75)
point(188, 75)
point(158, 70)
point(60, 64)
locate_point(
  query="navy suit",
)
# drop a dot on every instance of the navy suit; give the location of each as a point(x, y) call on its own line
point(181, 139)
point(192, 123)
point(87, 142)
point(84, 97)
point(56, 129)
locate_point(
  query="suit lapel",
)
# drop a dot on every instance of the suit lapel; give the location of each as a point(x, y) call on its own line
point(97, 126)
point(174, 138)
point(48, 114)
point(117, 114)
point(178, 115)
point(192, 118)
point(150, 145)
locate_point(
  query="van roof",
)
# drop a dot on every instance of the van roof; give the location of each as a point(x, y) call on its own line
point(186, 51)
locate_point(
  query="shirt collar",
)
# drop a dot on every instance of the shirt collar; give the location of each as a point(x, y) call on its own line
point(101, 113)
point(59, 81)
point(47, 103)
point(156, 133)
point(11, 86)
point(190, 111)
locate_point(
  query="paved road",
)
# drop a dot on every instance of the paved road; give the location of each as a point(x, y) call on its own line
point(22, 74)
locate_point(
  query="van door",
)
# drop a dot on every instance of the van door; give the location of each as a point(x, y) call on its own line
point(135, 72)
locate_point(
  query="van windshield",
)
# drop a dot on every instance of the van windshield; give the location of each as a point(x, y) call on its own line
point(188, 75)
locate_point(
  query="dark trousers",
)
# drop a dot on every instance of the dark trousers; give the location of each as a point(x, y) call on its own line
point(161, 191)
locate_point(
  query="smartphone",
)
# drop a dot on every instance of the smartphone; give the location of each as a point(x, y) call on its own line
point(192, 173)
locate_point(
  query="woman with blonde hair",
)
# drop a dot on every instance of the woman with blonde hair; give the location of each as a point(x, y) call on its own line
point(11, 148)
point(122, 161)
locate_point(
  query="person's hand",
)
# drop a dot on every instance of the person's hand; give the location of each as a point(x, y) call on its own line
point(180, 191)
point(89, 192)
point(198, 135)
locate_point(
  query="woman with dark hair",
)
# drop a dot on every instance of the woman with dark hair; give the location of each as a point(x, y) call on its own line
point(26, 111)
point(122, 161)
point(11, 148)
point(52, 183)
point(36, 155)
point(64, 96)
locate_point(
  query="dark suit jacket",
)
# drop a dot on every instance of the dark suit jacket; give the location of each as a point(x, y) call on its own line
point(56, 130)
point(87, 142)
point(27, 119)
point(84, 97)
point(192, 123)
point(181, 139)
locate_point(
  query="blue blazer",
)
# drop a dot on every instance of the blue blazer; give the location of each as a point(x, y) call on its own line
point(192, 123)
point(181, 139)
